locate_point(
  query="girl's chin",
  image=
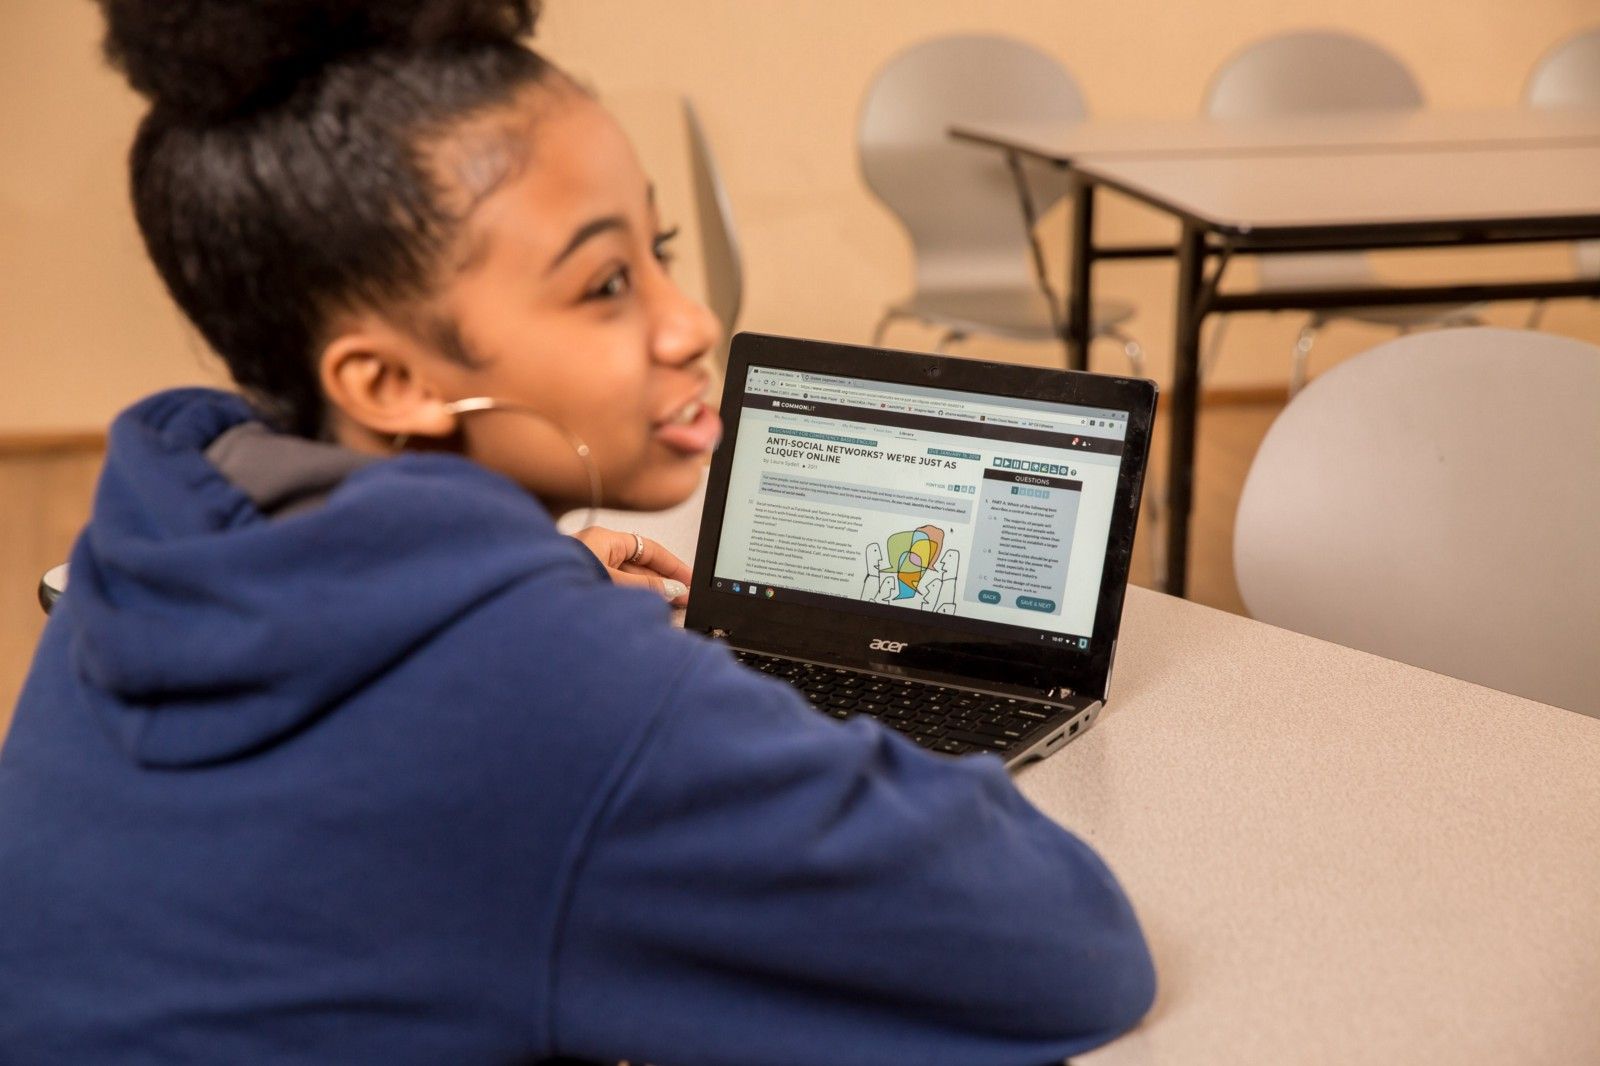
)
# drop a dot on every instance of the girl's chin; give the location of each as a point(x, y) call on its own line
point(662, 487)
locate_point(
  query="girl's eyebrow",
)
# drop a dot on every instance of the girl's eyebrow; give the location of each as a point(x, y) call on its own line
point(590, 229)
point(595, 227)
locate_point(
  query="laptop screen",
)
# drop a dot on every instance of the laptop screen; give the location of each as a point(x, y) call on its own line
point(877, 497)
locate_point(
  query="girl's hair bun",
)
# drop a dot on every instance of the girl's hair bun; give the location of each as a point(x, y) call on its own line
point(209, 59)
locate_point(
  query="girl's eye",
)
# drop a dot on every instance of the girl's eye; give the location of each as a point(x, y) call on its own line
point(619, 282)
point(663, 246)
point(615, 285)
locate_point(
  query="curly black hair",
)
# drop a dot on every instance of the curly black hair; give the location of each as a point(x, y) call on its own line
point(282, 171)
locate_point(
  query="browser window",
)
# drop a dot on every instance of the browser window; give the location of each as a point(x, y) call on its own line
point(917, 498)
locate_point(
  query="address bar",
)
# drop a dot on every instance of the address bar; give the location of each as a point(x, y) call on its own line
point(866, 397)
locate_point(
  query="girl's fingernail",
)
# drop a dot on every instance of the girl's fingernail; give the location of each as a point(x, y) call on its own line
point(673, 589)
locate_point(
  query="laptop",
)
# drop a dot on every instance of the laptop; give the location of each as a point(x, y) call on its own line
point(939, 544)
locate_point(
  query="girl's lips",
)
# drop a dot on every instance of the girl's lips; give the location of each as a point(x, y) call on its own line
point(695, 437)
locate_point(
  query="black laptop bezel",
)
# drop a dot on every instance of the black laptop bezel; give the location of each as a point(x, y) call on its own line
point(837, 636)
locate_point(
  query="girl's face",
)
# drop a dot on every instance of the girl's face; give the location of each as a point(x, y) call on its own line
point(562, 296)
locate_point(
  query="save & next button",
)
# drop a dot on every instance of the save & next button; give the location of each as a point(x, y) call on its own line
point(1036, 603)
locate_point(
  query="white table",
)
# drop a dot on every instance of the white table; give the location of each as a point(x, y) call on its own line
point(1338, 858)
point(1272, 204)
point(1064, 143)
point(1350, 181)
point(1335, 193)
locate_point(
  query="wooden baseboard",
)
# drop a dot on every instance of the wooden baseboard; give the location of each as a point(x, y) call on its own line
point(1244, 395)
point(19, 444)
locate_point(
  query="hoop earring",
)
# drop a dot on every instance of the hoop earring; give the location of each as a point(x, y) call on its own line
point(476, 404)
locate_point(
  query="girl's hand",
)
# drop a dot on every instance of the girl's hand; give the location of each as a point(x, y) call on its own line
point(639, 562)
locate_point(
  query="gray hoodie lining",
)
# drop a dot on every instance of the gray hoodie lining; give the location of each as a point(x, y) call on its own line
point(280, 473)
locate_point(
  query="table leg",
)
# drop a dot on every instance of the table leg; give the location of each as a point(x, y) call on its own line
point(1079, 294)
point(1183, 404)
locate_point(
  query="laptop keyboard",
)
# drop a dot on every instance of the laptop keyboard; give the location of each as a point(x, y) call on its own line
point(940, 718)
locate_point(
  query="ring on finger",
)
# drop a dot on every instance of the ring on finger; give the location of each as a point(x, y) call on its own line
point(638, 549)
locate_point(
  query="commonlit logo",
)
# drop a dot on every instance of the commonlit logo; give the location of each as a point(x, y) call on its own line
point(887, 645)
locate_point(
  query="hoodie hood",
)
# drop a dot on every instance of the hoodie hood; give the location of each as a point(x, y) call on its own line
point(208, 630)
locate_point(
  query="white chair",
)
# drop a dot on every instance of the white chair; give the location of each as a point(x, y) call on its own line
point(1569, 76)
point(1313, 72)
point(975, 257)
point(1435, 500)
point(51, 586)
point(719, 242)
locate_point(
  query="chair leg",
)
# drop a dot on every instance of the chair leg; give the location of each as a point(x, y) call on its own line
point(882, 327)
point(1302, 355)
point(1535, 314)
point(1211, 350)
point(949, 338)
point(1153, 526)
point(1158, 538)
point(1155, 541)
point(1130, 348)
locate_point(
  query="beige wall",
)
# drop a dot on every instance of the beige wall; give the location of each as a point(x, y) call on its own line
point(85, 326)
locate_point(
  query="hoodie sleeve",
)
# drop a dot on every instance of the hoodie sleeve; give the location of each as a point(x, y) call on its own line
point(767, 886)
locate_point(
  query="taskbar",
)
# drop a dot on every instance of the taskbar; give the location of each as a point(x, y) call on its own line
point(874, 609)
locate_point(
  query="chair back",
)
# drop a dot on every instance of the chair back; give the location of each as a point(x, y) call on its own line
point(1309, 72)
point(1568, 75)
point(1586, 255)
point(1433, 500)
point(719, 242)
point(957, 201)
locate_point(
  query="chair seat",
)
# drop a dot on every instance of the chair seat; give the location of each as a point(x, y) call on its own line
point(1020, 313)
point(1405, 317)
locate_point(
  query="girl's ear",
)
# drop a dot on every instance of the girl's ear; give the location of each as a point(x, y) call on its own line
point(377, 379)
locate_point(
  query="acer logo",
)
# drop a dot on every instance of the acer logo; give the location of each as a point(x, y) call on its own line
point(887, 645)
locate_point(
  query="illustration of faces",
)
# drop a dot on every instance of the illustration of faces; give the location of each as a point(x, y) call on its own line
point(917, 571)
point(938, 591)
point(872, 584)
point(949, 568)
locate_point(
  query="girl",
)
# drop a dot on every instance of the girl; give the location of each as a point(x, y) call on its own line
point(336, 750)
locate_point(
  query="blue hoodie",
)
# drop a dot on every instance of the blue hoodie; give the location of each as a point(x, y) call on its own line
point(403, 778)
